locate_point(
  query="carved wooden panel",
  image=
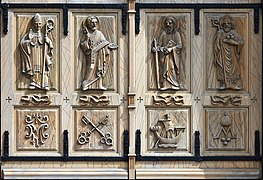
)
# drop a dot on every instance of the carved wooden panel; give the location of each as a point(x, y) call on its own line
point(37, 129)
point(227, 129)
point(168, 130)
point(168, 51)
point(95, 51)
point(226, 51)
point(95, 130)
point(37, 51)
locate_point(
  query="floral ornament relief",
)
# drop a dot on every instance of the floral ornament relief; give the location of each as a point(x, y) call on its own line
point(36, 125)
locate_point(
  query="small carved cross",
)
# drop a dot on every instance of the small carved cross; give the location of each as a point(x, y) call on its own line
point(197, 99)
point(254, 99)
point(123, 99)
point(140, 99)
point(9, 99)
point(66, 99)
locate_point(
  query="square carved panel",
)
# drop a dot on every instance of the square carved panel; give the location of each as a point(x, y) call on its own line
point(95, 130)
point(37, 129)
point(226, 129)
point(226, 51)
point(37, 51)
point(96, 51)
point(168, 51)
point(168, 130)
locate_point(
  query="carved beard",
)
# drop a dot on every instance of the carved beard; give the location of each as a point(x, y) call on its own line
point(168, 29)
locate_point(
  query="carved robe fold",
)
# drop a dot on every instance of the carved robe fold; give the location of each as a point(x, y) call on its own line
point(227, 58)
point(169, 66)
point(97, 57)
point(35, 61)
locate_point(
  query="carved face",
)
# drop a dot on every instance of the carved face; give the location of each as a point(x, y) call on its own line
point(169, 25)
point(37, 25)
point(92, 24)
point(227, 26)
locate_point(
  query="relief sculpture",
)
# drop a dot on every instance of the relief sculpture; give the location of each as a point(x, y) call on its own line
point(84, 137)
point(36, 125)
point(166, 52)
point(36, 99)
point(97, 54)
point(36, 54)
point(168, 135)
point(168, 100)
point(94, 100)
point(225, 134)
point(227, 48)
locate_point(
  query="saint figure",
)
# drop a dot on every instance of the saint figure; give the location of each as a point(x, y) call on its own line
point(167, 57)
point(36, 54)
point(97, 54)
point(227, 48)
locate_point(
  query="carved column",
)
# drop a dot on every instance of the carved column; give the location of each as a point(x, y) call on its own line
point(131, 93)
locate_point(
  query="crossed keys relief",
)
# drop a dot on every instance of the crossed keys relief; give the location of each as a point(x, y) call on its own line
point(84, 137)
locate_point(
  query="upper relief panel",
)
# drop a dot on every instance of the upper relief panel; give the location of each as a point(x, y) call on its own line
point(37, 63)
point(226, 52)
point(168, 58)
point(96, 52)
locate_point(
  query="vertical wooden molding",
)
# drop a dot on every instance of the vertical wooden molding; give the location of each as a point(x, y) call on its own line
point(131, 93)
point(131, 167)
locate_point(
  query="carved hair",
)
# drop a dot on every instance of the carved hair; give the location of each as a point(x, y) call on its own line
point(174, 20)
point(89, 18)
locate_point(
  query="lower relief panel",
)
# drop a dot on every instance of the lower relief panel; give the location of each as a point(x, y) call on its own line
point(95, 130)
point(168, 130)
point(37, 129)
point(226, 130)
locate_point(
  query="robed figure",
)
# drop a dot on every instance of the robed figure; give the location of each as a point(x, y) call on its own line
point(97, 54)
point(227, 48)
point(36, 54)
point(167, 55)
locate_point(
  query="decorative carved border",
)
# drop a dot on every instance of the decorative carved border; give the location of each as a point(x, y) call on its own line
point(102, 100)
point(226, 100)
point(35, 99)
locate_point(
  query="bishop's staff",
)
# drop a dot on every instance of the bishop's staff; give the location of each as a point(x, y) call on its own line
point(46, 60)
point(155, 50)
